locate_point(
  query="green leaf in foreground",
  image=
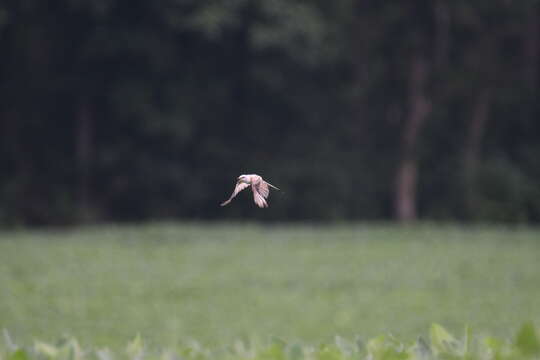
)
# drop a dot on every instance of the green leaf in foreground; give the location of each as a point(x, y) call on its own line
point(527, 340)
point(443, 343)
point(442, 346)
point(46, 350)
point(135, 348)
point(274, 351)
point(386, 348)
point(18, 355)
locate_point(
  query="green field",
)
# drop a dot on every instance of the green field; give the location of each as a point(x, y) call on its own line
point(216, 283)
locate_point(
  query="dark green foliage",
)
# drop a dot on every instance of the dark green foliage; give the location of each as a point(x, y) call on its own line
point(128, 110)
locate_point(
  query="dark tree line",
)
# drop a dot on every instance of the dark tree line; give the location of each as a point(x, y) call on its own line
point(131, 109)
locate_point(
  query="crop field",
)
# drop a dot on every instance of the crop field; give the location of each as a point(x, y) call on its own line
point(217, 283)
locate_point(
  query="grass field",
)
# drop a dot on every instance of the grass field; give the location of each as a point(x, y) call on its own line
point(217, 283)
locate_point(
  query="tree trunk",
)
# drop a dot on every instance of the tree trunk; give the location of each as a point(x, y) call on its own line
point(407, 173)
point(84, 158)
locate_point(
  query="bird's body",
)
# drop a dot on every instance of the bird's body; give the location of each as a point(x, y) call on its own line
point(260, 188)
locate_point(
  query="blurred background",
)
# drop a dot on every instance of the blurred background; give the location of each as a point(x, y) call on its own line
point(367, 114)
point(116, 110)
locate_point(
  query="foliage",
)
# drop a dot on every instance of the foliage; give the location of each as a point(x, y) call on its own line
point(442, 346)
point(217, 283)
point(127, 110)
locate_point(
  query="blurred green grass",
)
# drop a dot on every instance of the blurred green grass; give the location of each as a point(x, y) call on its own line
point(217, 282)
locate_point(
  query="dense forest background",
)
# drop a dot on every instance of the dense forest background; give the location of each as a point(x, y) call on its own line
point(127, 110)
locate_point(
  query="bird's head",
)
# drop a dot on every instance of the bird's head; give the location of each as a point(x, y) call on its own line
point(243, 179)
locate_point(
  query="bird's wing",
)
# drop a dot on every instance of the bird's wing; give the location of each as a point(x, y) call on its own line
point(262, 188)
point(239, 187)
point(258, 198)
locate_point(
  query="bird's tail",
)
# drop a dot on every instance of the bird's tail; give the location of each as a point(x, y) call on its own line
point(272, 186)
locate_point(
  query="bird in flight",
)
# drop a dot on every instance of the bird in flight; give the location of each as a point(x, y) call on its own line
point(260, 189)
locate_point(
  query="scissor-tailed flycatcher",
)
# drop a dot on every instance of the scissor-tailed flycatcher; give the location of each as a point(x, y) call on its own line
point(259, 187)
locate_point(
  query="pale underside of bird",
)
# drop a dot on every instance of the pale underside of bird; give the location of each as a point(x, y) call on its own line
point(260, 188)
